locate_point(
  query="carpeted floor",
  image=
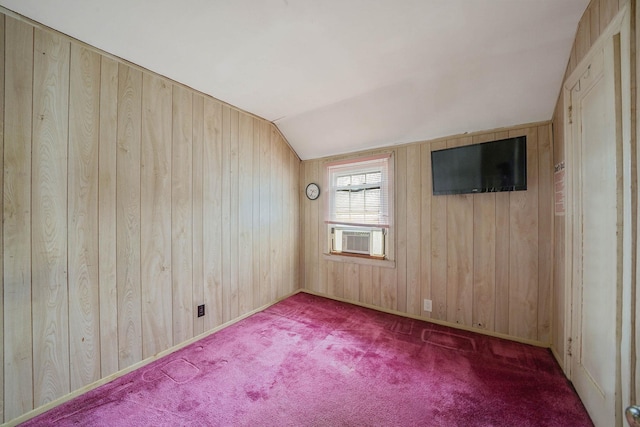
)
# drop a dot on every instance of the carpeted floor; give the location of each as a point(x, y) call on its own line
point(311, 361)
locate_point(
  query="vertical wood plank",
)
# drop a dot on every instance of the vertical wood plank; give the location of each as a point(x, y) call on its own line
point(388, 289)
point(439, 250)
point(287, 219)
point(296, 245)
point(484, 254)
point(265, 213)
point(155, 210)
point(84, 134)
point(226, 215)
point(400, 227)
point(335, 279)
point(315, 221)
point(256, 294)
point(484, 263)
point(320, 236)
point(212, 213)
point(425, 222)
point(501, 315)
point(351, 282)
point(107, 213)
point(307, 225)
point(182, 215)
point(2, 75)
point(305, 209)
point(245, 213)
point(18, 355)
point(198, 196)
point(523, 259)
point(545, 230)
point(128, 216)
point(275, 189)
point(280, 198)
point(304, 225)
point(233, 216)
point(49, 217)
point(414, 229)
point(365, 288)
point(375, 286)
point(460, 253)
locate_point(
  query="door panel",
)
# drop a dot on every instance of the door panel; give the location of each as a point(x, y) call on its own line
point(595, 356)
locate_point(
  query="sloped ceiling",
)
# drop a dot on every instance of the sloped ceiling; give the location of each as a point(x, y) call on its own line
point(338, 76)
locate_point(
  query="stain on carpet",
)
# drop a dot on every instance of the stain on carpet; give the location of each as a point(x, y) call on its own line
point(179, 371)
point(449, 340)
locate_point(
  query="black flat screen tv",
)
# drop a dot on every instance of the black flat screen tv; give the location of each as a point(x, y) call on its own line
point(481, 168)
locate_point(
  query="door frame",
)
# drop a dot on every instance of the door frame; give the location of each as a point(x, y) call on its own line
point(618, 31)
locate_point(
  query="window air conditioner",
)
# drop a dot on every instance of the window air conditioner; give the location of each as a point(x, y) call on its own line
point(358, 241)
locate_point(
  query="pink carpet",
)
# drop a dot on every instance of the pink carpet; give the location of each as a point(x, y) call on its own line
point(311, 361)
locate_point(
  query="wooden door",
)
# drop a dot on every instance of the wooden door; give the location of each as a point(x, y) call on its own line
point(597, 240)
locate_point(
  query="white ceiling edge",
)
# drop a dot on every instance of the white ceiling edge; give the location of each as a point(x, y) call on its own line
point(401, 113)
point(339, 76)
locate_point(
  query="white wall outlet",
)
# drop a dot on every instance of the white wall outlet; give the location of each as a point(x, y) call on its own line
point(427, 305)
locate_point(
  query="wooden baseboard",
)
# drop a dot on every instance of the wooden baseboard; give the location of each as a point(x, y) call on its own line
point(435, 321)
point(37, 411)
point(44, 408)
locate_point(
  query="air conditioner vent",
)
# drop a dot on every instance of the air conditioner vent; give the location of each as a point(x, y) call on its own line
point(356, 242)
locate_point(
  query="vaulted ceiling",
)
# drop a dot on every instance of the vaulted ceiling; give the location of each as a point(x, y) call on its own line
point(338, 76)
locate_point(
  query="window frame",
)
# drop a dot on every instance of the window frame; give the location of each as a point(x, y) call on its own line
point(388, 228)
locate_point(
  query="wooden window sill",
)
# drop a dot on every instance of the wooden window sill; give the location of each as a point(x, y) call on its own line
point(359, 259)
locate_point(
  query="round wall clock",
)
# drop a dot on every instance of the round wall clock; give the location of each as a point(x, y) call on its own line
point(313, 191)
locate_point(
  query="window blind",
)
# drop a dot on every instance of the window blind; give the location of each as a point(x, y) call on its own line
point(359, 192)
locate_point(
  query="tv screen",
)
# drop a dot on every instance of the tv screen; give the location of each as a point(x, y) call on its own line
point(481, 168)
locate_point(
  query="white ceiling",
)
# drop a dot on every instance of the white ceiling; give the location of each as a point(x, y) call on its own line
point(338, 76)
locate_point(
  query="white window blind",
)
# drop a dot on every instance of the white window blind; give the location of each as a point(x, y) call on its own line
point(359, 192)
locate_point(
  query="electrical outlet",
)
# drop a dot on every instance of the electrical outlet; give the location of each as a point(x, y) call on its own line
point(427, 305)
point(201, 310)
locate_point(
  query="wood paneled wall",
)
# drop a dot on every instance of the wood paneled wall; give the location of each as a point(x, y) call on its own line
point(594, 21)
point(485, 260)
point(128, 200)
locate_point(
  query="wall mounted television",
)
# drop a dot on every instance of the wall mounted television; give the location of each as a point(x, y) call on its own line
point(480, 168)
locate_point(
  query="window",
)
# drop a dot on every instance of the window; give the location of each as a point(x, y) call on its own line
point(358, 211)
